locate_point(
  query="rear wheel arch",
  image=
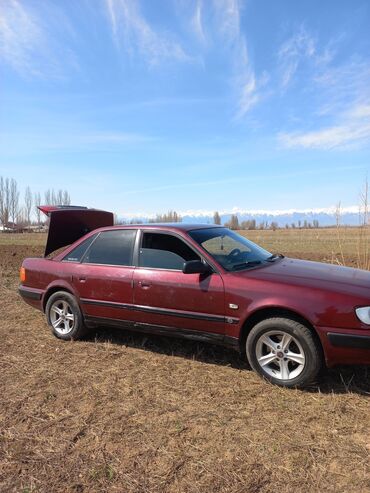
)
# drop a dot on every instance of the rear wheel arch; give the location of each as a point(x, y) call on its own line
point(64, 316)
point(274, 312)
point(51, 291)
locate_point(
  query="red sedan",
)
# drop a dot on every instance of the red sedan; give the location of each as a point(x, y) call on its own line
point(201, 282)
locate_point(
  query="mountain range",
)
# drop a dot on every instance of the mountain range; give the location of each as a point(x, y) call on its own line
point(349, 216)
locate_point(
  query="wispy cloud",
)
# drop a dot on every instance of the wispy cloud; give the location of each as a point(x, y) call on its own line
point(20, 36)
point(73, 141)
point(197, 21)
point(353, 130)
point(228, 17)
point(249, 95)
point(27, 43)
point(298, 47)
point(134, 33)
point(343, 86)
point(247, 85)
point(339, 93)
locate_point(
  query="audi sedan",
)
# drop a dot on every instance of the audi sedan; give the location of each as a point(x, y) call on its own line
point(288, 317)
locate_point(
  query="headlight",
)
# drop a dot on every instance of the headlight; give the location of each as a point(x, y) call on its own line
point(363, 314)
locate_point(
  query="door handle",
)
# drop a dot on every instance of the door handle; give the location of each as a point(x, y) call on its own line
point(144, 284)
point(82, 279)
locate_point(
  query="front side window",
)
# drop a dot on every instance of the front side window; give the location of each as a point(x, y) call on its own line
point(232, 251)
point(77, 253)
point(162, 251)
point(112, 248)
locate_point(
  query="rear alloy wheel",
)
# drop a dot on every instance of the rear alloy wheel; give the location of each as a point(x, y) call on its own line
point(284, 351)
point(64, 316)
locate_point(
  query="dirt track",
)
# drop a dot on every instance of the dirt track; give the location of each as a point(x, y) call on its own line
point(129, 413)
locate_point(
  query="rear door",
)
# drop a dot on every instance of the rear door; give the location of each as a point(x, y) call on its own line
point(164, 296)
point(104, 277)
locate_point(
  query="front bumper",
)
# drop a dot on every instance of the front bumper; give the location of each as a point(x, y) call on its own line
point(345, 346)
point(349, 340)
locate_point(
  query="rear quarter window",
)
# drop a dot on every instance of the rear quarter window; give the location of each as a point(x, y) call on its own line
point(77, 253)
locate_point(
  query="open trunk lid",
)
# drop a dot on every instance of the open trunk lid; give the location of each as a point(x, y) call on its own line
point(69, 223)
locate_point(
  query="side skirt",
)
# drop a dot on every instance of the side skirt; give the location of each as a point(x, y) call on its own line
point(221, 339)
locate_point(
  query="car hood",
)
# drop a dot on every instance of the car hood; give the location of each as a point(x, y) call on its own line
point(305, 272)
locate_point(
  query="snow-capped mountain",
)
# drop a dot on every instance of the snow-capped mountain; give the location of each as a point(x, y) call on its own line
point(326, 217)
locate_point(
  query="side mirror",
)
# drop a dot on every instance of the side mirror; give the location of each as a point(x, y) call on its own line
point(196, 267)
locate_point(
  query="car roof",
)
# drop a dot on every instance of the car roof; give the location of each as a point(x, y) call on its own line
point(163, 226)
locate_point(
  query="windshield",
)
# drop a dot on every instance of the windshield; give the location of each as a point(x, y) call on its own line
point(232, 251)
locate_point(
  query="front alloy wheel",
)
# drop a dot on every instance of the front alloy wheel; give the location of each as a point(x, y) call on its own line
point(284, 351)
point(280, 355)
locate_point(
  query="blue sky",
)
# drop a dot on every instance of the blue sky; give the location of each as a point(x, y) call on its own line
point(145, 106)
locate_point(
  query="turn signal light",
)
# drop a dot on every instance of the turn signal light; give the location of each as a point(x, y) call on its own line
point(22, 274)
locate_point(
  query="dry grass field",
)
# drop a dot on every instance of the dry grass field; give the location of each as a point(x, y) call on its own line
point(123, 412)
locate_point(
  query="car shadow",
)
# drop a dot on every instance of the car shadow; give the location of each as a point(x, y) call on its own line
point(339, 380)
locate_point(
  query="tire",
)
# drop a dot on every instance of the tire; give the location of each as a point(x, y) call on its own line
point(64, 316)
point(284, 352)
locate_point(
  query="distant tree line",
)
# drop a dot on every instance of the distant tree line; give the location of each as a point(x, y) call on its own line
point(15, 212)
point(251, 224)
point(169, 217)
point(234, 223)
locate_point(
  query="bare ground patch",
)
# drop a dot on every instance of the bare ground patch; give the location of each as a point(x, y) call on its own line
point(123, 412)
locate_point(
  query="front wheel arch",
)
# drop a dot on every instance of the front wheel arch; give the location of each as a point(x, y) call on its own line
point(284, 352)
point(274, 312)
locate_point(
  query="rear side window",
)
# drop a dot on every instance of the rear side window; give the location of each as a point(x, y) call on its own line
point(77, 253)
point(161, 251)
point(112, 248)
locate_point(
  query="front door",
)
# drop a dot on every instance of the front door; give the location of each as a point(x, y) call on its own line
point(164, 296)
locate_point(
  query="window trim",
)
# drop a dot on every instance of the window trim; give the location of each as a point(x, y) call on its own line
point(113, 265)
point(139, 241)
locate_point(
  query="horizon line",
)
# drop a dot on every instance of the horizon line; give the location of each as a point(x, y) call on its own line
point(354, 209)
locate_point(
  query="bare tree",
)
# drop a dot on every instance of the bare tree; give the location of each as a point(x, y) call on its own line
point(66, 199)
point(233, 223)
point(249, 224)
point(37, 203)
point(28, 205)
point(216, 218)
point(170, 217)
point(14, 200)
point(54, 198)
point(47, 196)
point(274, 226)
point(60, 197)
point(4, 200)
point(21, 219)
